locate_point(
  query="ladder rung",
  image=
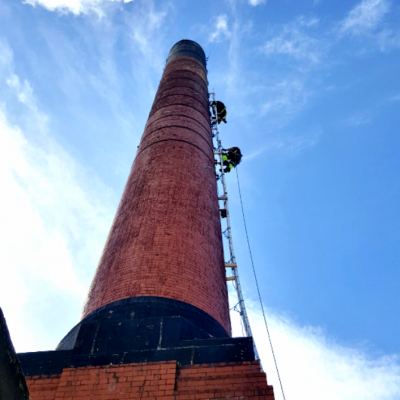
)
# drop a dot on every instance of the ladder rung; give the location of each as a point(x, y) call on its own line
point(230, 265)
point(230, 278)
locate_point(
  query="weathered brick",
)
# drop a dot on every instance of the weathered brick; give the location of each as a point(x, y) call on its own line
point(168, 216)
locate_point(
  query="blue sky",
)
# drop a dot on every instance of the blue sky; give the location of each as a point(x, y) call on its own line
point(312, 91)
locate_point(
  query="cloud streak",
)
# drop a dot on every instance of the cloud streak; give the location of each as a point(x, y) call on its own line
point(221, 30)
point(45, 216)
point(285, 100)
point(54, 220)
point(74, 6)
point(301, 51)
point(290, 145)
point(364, 17)
point(293, 41)
point(312, 363)
point(256, 2)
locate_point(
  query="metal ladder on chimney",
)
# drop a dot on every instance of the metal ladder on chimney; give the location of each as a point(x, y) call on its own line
point(228, 234)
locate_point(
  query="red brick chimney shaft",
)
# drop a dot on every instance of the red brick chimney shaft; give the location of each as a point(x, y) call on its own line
point(165, 240)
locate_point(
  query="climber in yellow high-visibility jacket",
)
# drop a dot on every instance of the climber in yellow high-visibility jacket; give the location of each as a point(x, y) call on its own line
point(231, 158)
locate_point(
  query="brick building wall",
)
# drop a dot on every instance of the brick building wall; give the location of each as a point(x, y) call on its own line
point(154, 381)
point(165, 240)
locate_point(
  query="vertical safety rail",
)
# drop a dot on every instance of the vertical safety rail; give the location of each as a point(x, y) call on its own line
point(232, 262)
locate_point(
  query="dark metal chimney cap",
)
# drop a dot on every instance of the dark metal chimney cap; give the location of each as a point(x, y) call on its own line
point(187, 48)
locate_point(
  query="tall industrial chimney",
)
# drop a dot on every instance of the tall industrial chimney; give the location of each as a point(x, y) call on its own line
point(156, 323)
point(165, 243)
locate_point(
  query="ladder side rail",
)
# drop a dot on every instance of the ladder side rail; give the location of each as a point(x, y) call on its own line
point(242, 307)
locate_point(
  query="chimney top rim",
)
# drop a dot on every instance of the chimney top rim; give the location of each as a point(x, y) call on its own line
point(187, 47)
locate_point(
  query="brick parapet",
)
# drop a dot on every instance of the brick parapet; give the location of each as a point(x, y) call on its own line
point(166, 236)
point(156, 381)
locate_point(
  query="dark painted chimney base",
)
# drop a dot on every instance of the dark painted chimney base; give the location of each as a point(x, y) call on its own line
point(139, 323)
point(185, 352)
point(137, 330)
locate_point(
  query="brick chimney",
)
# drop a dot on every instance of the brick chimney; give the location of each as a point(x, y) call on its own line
point(156, 321)
point(165, 241)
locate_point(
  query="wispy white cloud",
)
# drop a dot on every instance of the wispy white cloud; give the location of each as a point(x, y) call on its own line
point(24, 90)
point(24, 93)
point(304, 51)
point(309, 50)
point(294, 40)
point(92, 69)
point(359, 118)
point(256, 2)
point(285, 99)
point(221, 30)
point(311, 362)
point(370, 21)
point(74, 6)
point(232, 75)
point(364, 17)
point(44, 219)
point(144, 27)
point(395, 98)
point(388, 39)
point(289, 145)
point(50, 205)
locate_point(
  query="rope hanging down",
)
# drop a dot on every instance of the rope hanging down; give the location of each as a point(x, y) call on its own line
point(258, 289)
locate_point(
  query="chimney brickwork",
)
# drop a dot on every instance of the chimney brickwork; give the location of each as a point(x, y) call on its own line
point(165, 240)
